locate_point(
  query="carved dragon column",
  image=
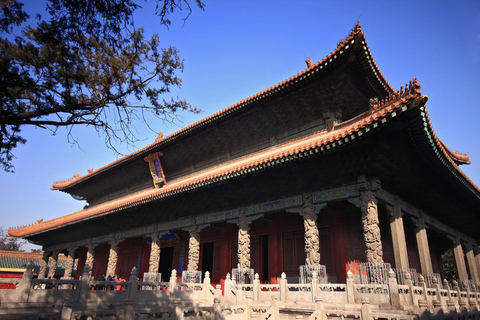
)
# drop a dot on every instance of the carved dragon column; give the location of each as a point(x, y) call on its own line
point(371, 229)
point(70, 263)
point(44, 264)
point(90, 256)
point(370, 223)
point(243, 241)
point(112, 258)
point(154, 254)
point(312, 239)
point(193, 248)
point(53, 265)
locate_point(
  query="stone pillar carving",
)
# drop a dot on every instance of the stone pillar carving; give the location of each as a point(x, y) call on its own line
point(53, 265)
point(398, 237)
point(243, 241)
point(43, 265)
point(472, 265)
point(193, 248)
point(154, 253)
point(371, 229)
point(312, 239)
point(70, 262)
point(112, 258)
point(459, 259)
point(90, 257)
point(422, 245)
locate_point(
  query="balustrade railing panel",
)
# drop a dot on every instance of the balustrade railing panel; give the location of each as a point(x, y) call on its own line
point(306, 273)
point(243, 275)
point(431, 279)
point(401, 275)
point(191, 276)
point(374, 273)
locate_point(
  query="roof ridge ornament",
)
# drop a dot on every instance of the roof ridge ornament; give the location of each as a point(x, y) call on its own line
point(412, 89)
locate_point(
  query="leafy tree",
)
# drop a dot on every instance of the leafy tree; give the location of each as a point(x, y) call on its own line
point(36, 251)
point(85, 64)
point(10, 243)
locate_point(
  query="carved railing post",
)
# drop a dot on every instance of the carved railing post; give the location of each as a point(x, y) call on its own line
point(154, 262)
point(393, 289)
point(67, 310)
point(217, 309)
point(283, 287)
point(243, 241)
point(409, 283)
point(350, 288)
point(366, 310)
point(84, 284)
point(112, 258)
point(206, 285)
point(179, 314)
point(172, 286)
point(132, 284)
point(229, 287)
point(53, 265)
point(23, 292)
point(423, 286)
point(256, 287)
point(314, 285)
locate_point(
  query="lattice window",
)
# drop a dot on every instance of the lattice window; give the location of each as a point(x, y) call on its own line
point(293, 251)
point(326, 256)
point(288, 252)
point(255, 254)
point(234, 253)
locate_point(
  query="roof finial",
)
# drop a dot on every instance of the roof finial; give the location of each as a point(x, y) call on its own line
point(309, 62)
point(358, 26)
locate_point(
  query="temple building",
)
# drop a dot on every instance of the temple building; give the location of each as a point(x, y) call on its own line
point(331, 167)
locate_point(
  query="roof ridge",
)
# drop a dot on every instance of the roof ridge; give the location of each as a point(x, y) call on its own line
point(299, 145)
point(341, 45)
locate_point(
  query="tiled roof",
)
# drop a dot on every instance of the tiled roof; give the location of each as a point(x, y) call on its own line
point(15, 260)
point(318, 68)
point(315, 143)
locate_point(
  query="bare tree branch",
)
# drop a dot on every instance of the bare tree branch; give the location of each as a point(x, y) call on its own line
point(86, 64)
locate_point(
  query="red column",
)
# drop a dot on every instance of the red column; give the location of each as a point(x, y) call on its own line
point(226, 251)
point(82, 257)
point(339, 235)
point(274, 250)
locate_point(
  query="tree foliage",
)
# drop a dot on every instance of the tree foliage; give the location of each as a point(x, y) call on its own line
point(85, 64)
point(10, 243)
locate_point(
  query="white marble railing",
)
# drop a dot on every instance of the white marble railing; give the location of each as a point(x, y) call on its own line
point(149, 294)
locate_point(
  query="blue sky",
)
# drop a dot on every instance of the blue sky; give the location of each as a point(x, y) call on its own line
point(235, 49)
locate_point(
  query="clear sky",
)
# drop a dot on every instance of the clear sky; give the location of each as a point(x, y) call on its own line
point(235, 49)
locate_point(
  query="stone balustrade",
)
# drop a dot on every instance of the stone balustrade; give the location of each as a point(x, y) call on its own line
point(75, 299)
